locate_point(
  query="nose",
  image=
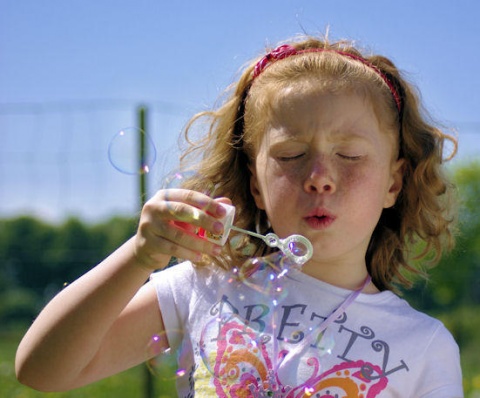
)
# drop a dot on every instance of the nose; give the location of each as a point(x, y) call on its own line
point(319, 178)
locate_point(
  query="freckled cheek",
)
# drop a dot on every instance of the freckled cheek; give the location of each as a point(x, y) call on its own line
point(350, 176)
point(293, 174)
point(279, 188)
point(275, 175)
point(363, 186)
point(278, 192)
point(357, 183)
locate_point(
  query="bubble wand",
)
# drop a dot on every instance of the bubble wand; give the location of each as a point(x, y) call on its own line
point(296, 247)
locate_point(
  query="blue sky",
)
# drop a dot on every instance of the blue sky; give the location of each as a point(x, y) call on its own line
point(72, 72)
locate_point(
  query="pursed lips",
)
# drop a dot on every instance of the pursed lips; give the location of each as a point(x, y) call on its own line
point(320, 218)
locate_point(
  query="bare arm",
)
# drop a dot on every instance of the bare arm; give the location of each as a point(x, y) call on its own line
point(101, 323)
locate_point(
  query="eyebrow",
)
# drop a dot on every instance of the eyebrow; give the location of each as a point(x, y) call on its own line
point(350, 133)
point(347, 137)
point(336, 135)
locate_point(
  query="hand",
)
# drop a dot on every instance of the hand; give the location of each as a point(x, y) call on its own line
point(168, 226)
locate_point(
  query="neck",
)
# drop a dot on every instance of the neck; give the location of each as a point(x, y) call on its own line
point(346, 276)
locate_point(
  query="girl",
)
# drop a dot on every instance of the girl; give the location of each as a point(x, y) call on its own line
point(315, 139)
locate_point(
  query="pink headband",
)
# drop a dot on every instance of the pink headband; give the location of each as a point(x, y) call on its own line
point(286, 51)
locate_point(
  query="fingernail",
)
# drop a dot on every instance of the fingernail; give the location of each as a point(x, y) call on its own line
point(217, 227)
point(217, 250)
point(221, 211)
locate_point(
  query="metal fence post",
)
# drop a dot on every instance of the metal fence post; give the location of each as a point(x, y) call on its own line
point(148, 385)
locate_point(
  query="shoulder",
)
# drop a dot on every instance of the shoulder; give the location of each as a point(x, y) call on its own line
point(394, 314)
point(187, 277)
point(183, 270)
point(397, 307)
point(415, 339)
point(180, 272)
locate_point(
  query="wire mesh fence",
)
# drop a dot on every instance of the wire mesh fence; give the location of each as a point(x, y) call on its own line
point(54, 159)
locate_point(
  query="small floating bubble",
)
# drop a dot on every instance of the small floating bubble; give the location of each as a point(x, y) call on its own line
point(124, 152)
point(162, 361)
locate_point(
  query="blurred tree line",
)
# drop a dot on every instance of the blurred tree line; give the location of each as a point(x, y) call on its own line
point(455, 281)
point(38, 259)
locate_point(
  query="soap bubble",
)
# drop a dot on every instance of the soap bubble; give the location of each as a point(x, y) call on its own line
point(124, 152)
point(245, 352)
point(177, 179)
point(163, 360)
point(174, 180)
point(184, 179)
point(266, 275)
point(230, 349)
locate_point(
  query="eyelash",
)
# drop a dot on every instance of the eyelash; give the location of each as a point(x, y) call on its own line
point(350, 158)
point(300, 155)
point(290, 158)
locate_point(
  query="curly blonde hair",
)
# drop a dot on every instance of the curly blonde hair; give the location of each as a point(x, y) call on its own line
point(423, 211)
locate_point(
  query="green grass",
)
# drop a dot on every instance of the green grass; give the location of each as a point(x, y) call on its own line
point(129, 384)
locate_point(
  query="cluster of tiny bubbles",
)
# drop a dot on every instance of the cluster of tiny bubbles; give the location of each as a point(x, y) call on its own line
point(246, 348)
point(161, 360)
point(267, 275)
point(125, 154)
point(233, 348)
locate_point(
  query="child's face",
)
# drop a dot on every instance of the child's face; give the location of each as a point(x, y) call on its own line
point(325, 169)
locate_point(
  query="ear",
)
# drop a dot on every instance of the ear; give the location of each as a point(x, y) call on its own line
point(255, 188)
point(396, 182)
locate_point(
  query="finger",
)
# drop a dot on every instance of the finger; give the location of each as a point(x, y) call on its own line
point(186, 217)
point(187, 207)
point(179, 242)
point(195, 199)
point(224, 200)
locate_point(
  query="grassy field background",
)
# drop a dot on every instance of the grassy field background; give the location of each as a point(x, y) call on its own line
point(128, 384)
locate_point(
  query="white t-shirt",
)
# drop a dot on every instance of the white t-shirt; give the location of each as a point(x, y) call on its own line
point(259, 337)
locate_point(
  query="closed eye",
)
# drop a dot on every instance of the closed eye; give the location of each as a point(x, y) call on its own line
point(291, 157)
point(349, 157)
